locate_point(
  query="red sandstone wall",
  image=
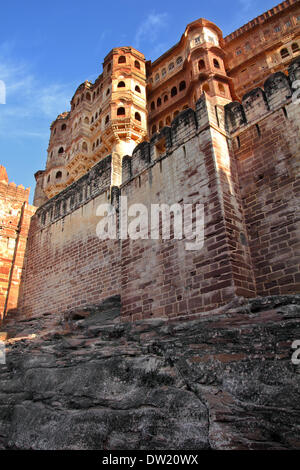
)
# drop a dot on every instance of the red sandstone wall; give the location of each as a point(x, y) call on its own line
point(15, 214)
point(267, 150)
point(67, 266)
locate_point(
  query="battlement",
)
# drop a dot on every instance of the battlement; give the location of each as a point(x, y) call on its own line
point(256, 104)
point(92, 184)
point(261, 19)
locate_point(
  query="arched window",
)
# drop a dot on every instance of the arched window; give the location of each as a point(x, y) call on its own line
point(63, 127)
point(137, 64)
point(201, 64)
point(152, 105)
point(107, 92)
point(295, 47)
point(179, 60)
point(58, 175)
point(168, 120)
point(153, 130)
point(176, 113)
point(107, 119)
point(174, 91)
point(163, 72)
point(216, 64)
point(122, 59)
point(121, 85)
point(171, 66)
point(61, 150)
point(48, 179)
point(182, 86)
point(121, 111)
point(84, 147)
point(137, 88)
point(96, 115)
point(160, 125)
point(86, 120)
point(156, 77)
point(137, 116)
point(97, 143)
point(88, 96)
point(158, 103)
point(166, 98)
point(284, 53)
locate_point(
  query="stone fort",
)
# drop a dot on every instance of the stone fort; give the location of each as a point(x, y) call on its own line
point(214, 120)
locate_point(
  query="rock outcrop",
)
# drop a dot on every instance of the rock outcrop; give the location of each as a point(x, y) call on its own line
point(225, 381)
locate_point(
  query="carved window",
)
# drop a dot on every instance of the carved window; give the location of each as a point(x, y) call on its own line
point(216, 64)
point(122, 59)
point(201, 64)
point(171, 66)
point(121, 111)
point(63, 127)
point(152, 106)
point(174, 91)
point(179, 60)
point(137, 116)
point(157, 77)
point(61, 150)
point(182, 85)
point(58, 175)
point(153, 130)
point(121, 85)
point(284, 53)
point(163, 72)
point(88, 96)
point(158, 102)
point(137, 88)
point(295, 47)
point(137, 64)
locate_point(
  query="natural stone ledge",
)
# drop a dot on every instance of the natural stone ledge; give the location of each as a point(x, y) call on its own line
point(220, 382)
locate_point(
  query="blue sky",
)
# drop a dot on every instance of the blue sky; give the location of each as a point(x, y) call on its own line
point(47, 48)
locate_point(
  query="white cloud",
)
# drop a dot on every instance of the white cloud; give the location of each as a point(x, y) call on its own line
point(150, 28)
point(30, 105)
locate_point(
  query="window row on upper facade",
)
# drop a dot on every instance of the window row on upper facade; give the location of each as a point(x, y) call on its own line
point(165, 97)
point(267, 34)
point(169, 68)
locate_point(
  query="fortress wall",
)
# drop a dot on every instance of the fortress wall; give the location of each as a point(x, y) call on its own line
point(67, 266)
point(266, 147)
point(189, 163)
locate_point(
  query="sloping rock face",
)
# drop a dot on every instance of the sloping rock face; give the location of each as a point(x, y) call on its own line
point(225, 381)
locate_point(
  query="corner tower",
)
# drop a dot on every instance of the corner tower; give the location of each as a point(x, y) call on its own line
point(106, 117)
point(177, 79)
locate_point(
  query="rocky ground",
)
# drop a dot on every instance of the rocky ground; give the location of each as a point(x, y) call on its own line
point(223, 381)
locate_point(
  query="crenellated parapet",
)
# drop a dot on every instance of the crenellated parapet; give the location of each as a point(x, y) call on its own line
point(277, 92)
point(86, 188)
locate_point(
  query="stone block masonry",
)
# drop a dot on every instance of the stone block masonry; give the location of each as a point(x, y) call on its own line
point(15, 214)
point(240, 161)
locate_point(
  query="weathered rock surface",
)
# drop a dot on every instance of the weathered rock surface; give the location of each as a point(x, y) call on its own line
point(219, 382)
